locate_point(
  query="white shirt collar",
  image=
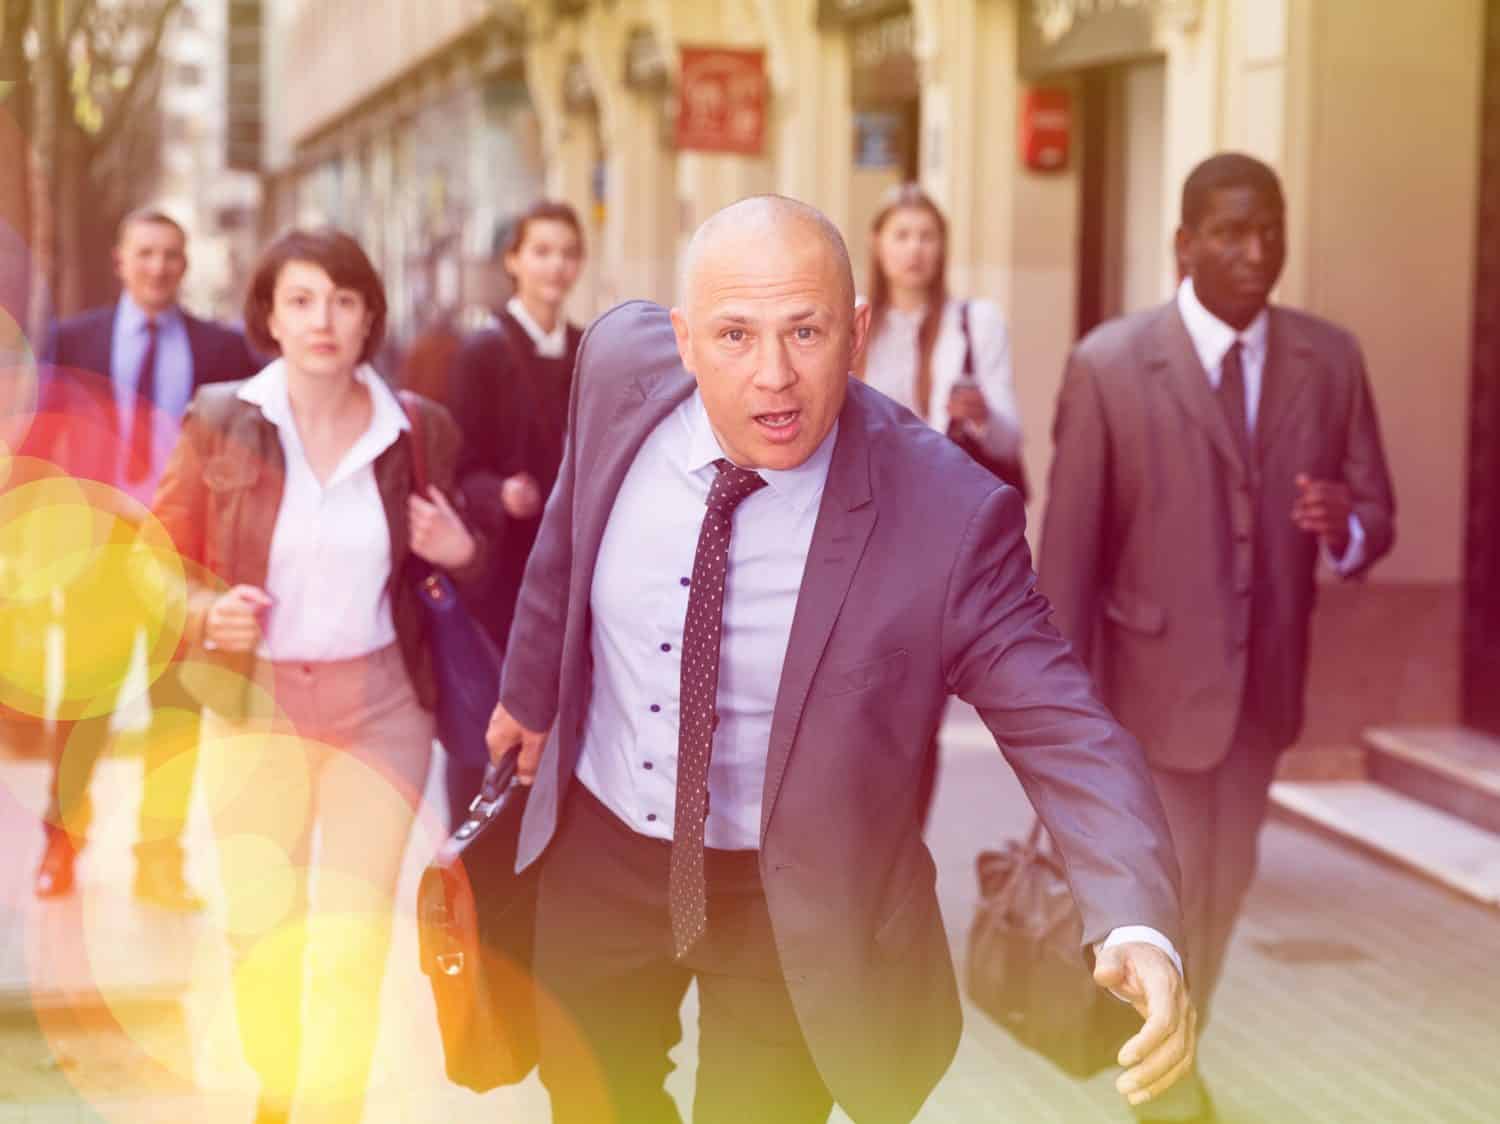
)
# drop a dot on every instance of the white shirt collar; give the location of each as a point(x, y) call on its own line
point(388, 420)
point(1212, 338)
point(549, 345)
point(798, 486)
point(131, 317)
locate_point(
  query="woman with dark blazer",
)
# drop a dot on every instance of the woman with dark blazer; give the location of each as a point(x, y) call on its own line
point(291, 500)
point(510, 390)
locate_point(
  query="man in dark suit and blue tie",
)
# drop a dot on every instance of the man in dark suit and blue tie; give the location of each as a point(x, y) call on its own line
point(115, 382)
point(737, 631)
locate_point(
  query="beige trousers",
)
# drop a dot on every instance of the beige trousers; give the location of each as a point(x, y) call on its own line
point(312, 800)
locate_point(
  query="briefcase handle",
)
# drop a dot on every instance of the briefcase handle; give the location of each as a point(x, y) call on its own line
point(498, 779)
point(1031, 851)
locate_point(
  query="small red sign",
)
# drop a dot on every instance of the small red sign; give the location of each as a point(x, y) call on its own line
point(1046, 129)
point(722, 101)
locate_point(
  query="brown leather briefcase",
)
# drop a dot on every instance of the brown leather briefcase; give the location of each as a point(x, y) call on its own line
point(476, 918)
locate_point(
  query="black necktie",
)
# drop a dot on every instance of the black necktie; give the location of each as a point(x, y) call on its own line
point(138, 464)
point(687, 898)
point(1232, 397)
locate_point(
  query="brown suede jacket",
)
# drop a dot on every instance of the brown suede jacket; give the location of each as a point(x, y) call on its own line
point(218, 502)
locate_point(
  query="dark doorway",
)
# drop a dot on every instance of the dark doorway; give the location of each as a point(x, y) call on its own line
point(1481, 638)
point(1121, 240)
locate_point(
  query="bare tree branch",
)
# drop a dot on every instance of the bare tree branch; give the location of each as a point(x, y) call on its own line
point(146, 62)
point(80, 13)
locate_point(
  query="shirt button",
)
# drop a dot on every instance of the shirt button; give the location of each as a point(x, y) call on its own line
point(655, 708)
point(666, 647)
point(685, 582)
point(648, 765)
point(650, 817)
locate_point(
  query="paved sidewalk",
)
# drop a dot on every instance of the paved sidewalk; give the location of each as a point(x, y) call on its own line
point(1354, 993)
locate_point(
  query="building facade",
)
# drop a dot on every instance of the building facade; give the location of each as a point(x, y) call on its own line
point(458, 110)
point(410, 126)
point(215, 203)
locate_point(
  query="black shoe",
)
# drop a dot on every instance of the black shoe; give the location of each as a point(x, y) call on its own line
point(159, 880)
point(54, 876)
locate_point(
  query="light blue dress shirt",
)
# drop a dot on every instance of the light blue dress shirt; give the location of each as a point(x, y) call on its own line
point(174, 386)
point(628, 758)
point(639, 602)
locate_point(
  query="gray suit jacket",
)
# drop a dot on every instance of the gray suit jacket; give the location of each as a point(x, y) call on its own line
point(1158, 533)
point(918, 585)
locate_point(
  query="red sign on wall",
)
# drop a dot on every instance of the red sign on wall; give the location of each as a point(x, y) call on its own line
point(1046, 129)
point(722, 100)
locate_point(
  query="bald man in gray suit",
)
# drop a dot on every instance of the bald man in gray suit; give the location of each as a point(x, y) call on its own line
point(737, 631)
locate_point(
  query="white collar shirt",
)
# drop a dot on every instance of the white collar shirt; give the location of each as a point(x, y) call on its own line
point(549, 345)
point(639, 601)
point(330, 556)
point(1212, 339)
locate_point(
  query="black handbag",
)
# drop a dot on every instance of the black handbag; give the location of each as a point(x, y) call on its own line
point(1026, 968)
point(1009, 469)
point(465, 664)
point(476, 921)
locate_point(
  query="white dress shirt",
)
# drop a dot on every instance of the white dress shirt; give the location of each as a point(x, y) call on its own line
point(628, 758)
point(891, 368)
point(330, 554)
point(639, 602)
point(549, 345)
point(1212, 339)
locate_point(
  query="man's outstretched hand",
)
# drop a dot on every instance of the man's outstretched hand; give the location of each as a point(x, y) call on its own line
point(1162, 1050)
point(505, 734)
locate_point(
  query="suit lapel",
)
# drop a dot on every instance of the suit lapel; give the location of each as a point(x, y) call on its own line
point(1289, 360)
point(98, 346)
point(642, 404)
point(1171, 354)
point(846, 516)
point(198, 349)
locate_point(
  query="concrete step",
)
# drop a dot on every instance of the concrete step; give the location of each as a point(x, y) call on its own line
point(1400, 829)
point(1451, 768)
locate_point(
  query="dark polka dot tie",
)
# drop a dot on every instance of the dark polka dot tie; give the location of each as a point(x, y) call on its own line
point(687, 897)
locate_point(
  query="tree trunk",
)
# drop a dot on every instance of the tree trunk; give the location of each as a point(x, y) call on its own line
point(46, 118)
point(15, 164)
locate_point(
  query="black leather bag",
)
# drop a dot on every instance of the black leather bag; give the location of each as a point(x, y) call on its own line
point(1025, 966)
point(476, 921)
point(465, 664)
point(1008, 469)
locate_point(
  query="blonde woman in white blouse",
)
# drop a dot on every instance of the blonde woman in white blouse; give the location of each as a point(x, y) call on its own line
point(918, 347)
point(917, 342)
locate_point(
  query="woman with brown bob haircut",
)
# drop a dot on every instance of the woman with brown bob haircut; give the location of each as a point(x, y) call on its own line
point(291, 493)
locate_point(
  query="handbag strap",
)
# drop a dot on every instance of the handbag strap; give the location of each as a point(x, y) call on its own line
point(963, 322)
point(410, 406)
point(1031, 850)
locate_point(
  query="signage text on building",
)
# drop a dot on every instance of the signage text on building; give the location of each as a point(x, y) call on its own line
point(722, 100)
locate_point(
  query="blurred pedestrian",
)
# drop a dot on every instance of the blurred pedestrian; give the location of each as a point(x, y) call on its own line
point(1208, 451)
point(114, 384)
point(945, 359)
point(426, 366)
point(295, 489)
point(510, 394)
